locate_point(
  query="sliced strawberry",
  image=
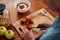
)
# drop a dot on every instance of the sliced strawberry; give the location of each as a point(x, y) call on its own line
point(27, 19)
point(31, 21)
point(21, 6)
point(22, 22)
point(29, 27)
point(27, 22)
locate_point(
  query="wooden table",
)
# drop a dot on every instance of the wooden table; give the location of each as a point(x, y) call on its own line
point(35, 5)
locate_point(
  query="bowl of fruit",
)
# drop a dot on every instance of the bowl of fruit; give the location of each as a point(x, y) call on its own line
point(22, 5)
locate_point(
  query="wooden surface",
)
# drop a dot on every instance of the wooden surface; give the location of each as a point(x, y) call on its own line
point(37, 18)
point(35, 5)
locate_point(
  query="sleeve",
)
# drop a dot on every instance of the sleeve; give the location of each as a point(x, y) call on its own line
point(53, 32)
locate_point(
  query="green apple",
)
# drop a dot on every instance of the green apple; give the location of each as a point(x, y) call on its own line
point(9, 34)
point(2, 30)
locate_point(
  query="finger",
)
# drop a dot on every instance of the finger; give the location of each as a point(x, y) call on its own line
point(24, 31)
point(21, 34)
point(31, 31)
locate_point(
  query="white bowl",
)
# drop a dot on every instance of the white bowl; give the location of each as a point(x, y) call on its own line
point(22, 1)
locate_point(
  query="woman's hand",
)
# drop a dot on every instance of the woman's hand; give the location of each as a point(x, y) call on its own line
point(27, 35)
point(46, 24)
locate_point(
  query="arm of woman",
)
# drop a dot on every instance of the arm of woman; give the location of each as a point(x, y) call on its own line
point(53, 33)
point(28, 35)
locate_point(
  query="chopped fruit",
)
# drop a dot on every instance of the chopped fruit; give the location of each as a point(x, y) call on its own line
point(30, 21)
point(22, 22)
point(27, 18)
point(21, 6)
point(29, 27)
point(26, 21)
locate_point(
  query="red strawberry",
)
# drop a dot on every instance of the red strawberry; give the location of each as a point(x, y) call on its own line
point(31, 21)
point(29, 27)
point(22, 22)
point(27, 23)
point(27, 19)
point(21, 6)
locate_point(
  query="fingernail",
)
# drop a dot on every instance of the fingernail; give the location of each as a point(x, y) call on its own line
point(26, 29)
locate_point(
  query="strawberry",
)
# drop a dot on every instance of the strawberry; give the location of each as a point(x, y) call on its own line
point(29, 27)
point(21, 22)
point(21, 6)
point(29, 20)
point(27, 23)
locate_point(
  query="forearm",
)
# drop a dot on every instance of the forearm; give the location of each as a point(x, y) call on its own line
point(53, 32)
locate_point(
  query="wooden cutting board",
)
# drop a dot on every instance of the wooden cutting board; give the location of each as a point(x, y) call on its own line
point(37, 17)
